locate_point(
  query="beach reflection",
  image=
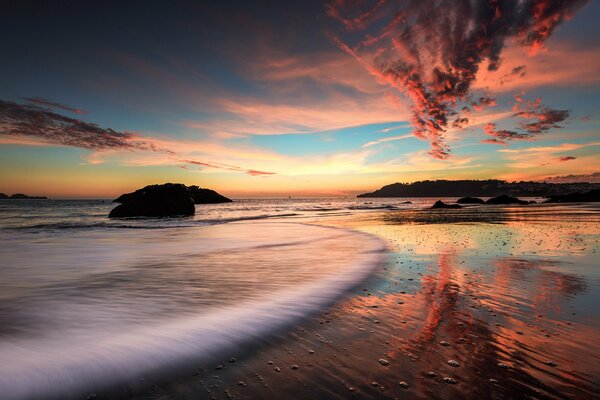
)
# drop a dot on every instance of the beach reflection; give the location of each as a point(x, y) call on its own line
point(486, 305)
point(514, 304)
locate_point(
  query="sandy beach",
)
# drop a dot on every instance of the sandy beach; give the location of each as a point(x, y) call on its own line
point(300, 200)
point(494, 302)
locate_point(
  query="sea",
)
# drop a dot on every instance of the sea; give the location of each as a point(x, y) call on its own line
point(88, 302)
point(91, 305)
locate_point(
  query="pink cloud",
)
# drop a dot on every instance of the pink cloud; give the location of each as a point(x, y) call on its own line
point(434, 52)
point(31, 124)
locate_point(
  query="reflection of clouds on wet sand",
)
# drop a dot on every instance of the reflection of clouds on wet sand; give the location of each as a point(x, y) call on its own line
point(511, 301)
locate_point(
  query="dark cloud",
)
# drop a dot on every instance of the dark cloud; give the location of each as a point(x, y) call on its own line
point(482, 103)
point(593, 178)
point(544, 118)
point(518, 71)
point(501, 136)
point(566, 158)
point(521, 70)
point(53, 104)
point(29, 120)
point(460, 122)
point(559, 159)
point(433, 49)
point(33, 121)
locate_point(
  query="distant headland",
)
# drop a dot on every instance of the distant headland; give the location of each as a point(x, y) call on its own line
point(479, 188)
point(21, 196)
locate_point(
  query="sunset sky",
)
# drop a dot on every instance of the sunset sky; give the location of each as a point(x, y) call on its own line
point(295, 98)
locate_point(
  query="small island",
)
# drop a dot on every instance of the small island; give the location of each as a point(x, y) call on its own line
point(21, 196)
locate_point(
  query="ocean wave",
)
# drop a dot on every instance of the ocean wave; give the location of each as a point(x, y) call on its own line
point(77, 363)
point(142, 223)
point(374, 207)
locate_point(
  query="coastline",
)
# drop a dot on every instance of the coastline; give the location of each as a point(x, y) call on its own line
point(66, 364)
point(466, 306)
point(493, 290)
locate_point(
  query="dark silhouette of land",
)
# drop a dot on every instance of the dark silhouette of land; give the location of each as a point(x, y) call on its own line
point(21, 196)
point(479, 188)
point(166, 200)
point(592, 195)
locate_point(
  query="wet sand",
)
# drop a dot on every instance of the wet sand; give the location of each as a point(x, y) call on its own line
point(494, 303)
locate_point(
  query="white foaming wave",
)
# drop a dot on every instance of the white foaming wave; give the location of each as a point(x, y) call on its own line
point(50, 370)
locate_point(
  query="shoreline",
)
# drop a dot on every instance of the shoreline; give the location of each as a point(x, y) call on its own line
point(109, 365)
point(482, 294)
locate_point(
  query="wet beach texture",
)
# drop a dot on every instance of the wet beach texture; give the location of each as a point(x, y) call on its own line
point(481, 302)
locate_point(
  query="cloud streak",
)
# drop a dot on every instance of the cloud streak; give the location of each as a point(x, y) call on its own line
point(387, 139)
point(48, 103)
point(432, 50)
point(32, 124)
point(27, 120)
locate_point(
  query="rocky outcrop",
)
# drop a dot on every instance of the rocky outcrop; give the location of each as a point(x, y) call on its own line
point(504, 199)
point(21, 196)
point(441, 204)
point(592, 195)
point(206, 196)
point(470, 200)
point(167, 200)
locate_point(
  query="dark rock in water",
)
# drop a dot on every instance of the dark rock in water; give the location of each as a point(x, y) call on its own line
point(206, 196)
point(169, 199)
point(21, 196)
point(441, 204)
point(592, 195)
point(504, 199)
point(470, 200)
point(3, 196)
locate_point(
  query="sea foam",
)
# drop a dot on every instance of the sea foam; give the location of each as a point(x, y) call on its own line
point(99, 356)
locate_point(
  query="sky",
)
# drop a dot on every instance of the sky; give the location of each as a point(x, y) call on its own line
point(306, 98)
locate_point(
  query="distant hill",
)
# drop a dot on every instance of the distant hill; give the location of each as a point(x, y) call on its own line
point(21, 196)
point(486, 188)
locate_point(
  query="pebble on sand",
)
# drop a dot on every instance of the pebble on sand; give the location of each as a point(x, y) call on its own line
point(444, 343)
point(294, 366)
point(384, 362)
point(450, 381)
point(453, 363)
point(277, 369)
point(431, 374)
point(403, 384)
point(550, 363)
point(502, 365)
